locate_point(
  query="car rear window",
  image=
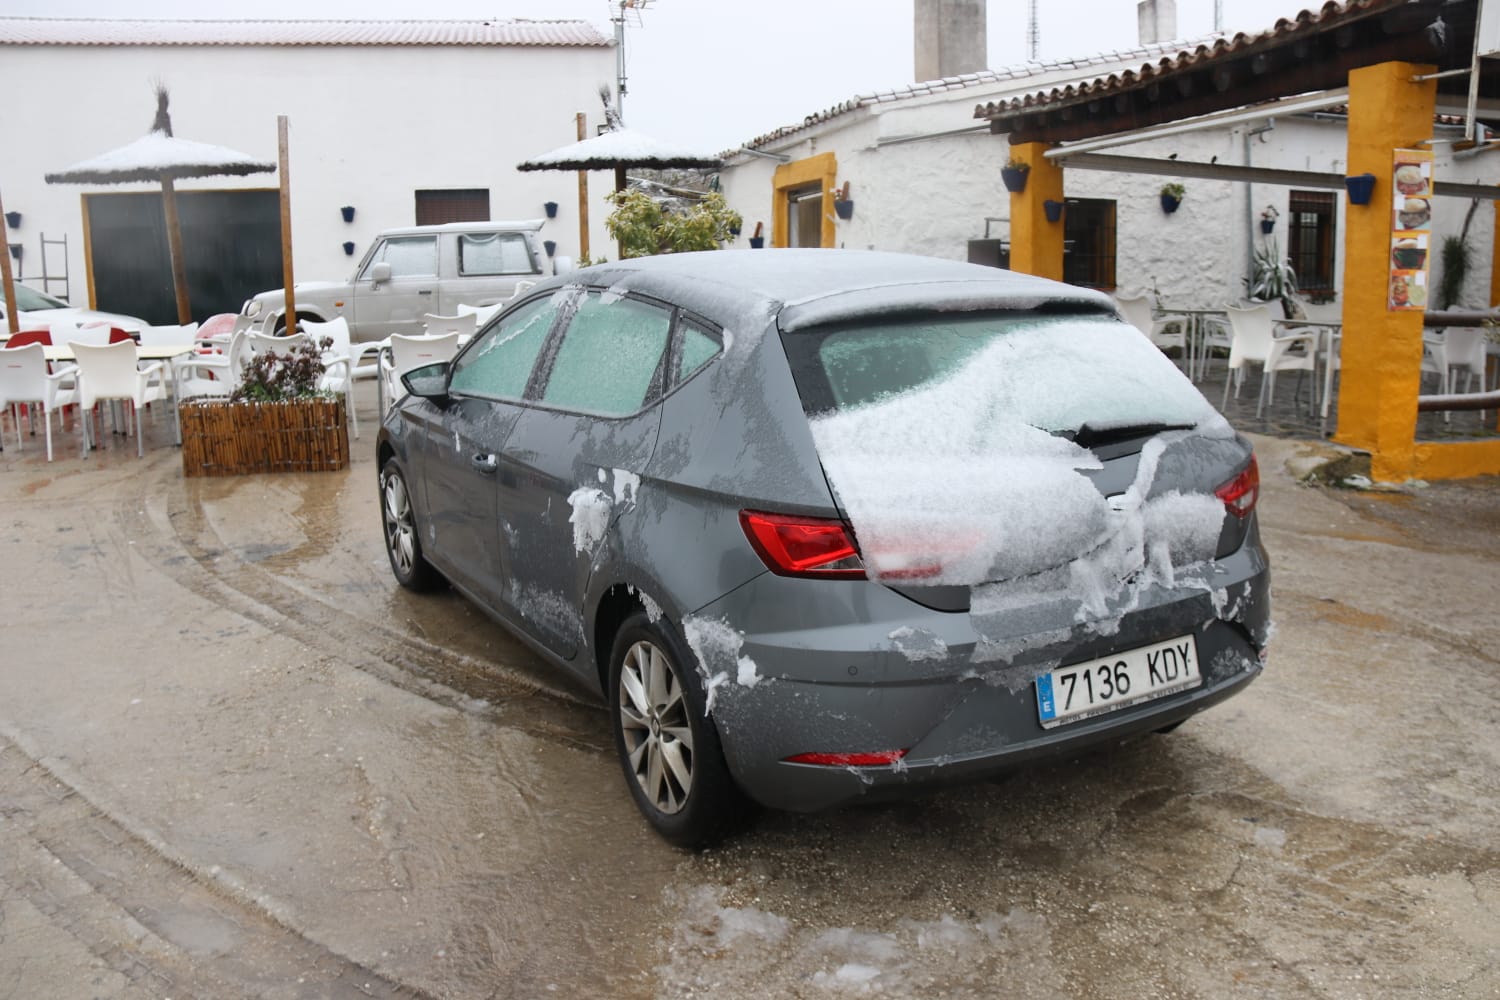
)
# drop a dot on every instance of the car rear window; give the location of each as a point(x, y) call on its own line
point(954, 443)
point(1054, 372)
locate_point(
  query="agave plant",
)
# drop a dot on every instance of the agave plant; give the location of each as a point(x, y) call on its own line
point(1272, 277)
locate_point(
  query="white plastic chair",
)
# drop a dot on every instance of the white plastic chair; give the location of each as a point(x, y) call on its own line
point(482, 314)
point(24, 378)
point(1138, 313)
point(522, 287)
point(361, 357)
point(1254, 340)
point(463, 325)
point(338, 361)
point(110, 372)
point(1466, 354)
point(163, 336)
point(407, 353)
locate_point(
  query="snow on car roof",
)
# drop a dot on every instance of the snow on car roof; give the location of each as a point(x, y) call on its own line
point(811, 287)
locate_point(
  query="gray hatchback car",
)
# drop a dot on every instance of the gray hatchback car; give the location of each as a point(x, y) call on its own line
point(824, 525)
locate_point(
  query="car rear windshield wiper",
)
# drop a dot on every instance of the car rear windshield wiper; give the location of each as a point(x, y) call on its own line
point(1088, 436)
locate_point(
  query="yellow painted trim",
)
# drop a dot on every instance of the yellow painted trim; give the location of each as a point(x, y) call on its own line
point(1382, 350)
point(822, 169)
point(1495, 260)
point(1036, 245)
point(1457, 460)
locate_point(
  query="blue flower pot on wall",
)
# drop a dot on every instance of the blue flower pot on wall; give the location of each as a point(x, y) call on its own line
point(1013, 179)
point(1361, 188)
point(13, 220)
point(756, 242)
point(550, 246)
point(347, 212)
point(551, 208)
point(1054, 209)
point(1170, 203)
point(349, 249)
point(844, 209)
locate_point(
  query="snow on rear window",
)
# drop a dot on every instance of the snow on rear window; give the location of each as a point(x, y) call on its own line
point(948, 441)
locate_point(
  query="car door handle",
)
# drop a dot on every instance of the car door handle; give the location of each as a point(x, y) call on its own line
point(486, 464)
point(424, 291)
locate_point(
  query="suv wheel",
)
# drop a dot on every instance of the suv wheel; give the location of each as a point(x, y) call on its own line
point(668, 746)
point(402, 545)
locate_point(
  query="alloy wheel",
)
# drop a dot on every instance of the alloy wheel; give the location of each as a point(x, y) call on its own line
point(656, 727)
point(400, 530)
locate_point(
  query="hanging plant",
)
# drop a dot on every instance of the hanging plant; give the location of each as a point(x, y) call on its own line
point(1014, 175)
point(1172, 194)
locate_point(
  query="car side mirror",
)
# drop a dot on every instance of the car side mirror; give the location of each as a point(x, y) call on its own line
point(428, 382)
point(563, 264)
point(380, 273)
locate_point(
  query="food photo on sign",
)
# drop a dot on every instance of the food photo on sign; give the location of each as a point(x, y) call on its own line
point(1411, 224)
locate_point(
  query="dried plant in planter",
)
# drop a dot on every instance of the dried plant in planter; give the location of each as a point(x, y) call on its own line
point(273, 376)
point(278, 420)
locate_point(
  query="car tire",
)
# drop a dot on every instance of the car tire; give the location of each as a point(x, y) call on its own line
point(668, 745)
point(403, 545)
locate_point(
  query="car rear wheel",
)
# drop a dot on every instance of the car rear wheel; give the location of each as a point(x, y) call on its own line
point(402, 544)
point(668, 746)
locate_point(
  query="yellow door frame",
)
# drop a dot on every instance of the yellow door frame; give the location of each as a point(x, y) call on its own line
point(822, 170)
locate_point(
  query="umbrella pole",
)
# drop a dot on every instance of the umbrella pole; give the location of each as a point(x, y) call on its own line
point(11, 319)
point(174, 250)
point(583, 197)
point(287, 282)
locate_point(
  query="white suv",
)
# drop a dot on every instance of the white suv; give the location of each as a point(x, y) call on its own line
point(417, 270)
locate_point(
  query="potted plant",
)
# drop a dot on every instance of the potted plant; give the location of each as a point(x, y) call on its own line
point(843, 205)
point(1171, 196)
point(1268, 219)
point(1014, 175)
point(277, 420)
point(1272, 278)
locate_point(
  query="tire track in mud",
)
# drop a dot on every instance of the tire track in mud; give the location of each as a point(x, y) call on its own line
point(145, 914)
point(171, 533)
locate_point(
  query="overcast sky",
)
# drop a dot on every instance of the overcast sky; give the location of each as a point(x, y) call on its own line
point(714, 73)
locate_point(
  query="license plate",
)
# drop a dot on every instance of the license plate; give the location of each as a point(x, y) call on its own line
point(1084, 690)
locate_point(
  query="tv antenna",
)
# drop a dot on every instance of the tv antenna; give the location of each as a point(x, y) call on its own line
point(620, 12)
point(1033, 34)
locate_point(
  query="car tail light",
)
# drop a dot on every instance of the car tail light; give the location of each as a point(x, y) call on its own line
point(1241, 492)
point(879, 758)
point(803, 546)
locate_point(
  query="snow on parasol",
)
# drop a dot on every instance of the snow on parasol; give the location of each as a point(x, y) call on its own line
point(618, 150)
point(159, 156)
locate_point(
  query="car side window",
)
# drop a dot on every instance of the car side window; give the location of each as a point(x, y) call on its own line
point(610, 358)
point(409, 257)
point(494, 253)
point(698, 348)
point(499, 365)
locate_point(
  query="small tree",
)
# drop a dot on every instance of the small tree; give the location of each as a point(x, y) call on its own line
point(644, 226)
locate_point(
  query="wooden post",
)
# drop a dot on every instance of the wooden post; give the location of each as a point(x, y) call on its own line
point(174, 250)
point(286, 225)
point(11, 319)
point(619, 186)
point(583, 197)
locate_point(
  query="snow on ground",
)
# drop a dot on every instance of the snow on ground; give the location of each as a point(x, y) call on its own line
point(715, 943)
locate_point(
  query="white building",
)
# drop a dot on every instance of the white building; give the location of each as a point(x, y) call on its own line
point(923, 174)
point(405, 122)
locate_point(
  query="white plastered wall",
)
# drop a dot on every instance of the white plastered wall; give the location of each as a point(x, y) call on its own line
point(368, 127)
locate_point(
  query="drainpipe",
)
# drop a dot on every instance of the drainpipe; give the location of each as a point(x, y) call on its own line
point(1250, 205)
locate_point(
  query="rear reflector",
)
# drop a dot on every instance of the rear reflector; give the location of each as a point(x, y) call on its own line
point(1241, 492)
point(803, 546)
point(879, 758)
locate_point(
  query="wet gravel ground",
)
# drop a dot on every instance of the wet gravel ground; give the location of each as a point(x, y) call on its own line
point(237, 760)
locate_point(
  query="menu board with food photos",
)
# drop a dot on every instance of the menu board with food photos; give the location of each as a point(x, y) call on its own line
point(1411, 229)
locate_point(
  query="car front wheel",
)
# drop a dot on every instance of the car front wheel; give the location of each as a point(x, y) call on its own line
point(668, 746)
point(402, 544)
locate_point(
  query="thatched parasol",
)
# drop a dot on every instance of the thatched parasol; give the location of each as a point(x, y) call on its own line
point(618, 149)
point(159, 156)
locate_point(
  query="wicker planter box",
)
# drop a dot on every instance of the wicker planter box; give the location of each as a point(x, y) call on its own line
point(220, 438)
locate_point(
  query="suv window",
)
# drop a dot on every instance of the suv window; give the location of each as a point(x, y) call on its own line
point(499, 364)
point(610, 358)
point(409, 257)
point(493, 253)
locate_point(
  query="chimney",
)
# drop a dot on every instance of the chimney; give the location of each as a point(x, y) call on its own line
point(1156, 20)
point(949, 38)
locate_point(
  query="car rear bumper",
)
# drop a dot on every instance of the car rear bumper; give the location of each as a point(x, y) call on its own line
point(906, 678)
